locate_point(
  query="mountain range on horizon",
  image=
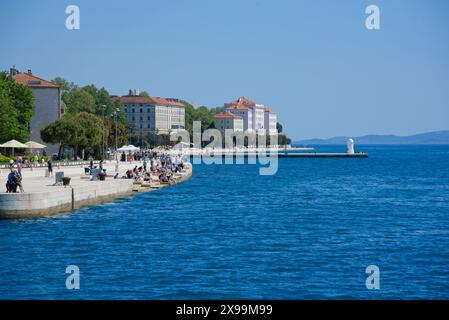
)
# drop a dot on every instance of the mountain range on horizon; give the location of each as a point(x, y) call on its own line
point(434, 137)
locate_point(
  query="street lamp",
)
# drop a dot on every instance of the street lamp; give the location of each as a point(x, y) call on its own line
point(115, 115)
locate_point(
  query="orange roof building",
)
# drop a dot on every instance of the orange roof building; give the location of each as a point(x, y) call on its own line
point(48, 105)
point(153, 114)
point(256, 117)
point(228, 121)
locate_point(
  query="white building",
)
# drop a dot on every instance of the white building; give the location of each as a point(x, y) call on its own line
point(270, 121)
point(256, 117)
point(153, 114)
point(228, 120)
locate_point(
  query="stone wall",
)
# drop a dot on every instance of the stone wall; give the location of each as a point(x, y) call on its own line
point(24, 205)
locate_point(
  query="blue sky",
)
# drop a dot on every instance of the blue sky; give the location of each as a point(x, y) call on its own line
point(313, 61)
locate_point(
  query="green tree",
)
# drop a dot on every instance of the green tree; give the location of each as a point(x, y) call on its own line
point(144, 94)
point(64, 84)
point(82, 131)
point(79, 100)
point(9, 127)
point(284, 140)
point(90, 139)
point(122, 137)
point(65, 132)
point(16, 107)
point(279, 127)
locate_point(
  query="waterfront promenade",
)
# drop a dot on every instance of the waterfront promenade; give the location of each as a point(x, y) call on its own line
point(42, 197)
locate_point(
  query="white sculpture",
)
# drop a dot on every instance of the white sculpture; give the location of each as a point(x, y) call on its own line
point(350, 149)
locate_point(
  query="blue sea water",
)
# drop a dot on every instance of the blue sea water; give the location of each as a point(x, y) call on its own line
point(307, 232)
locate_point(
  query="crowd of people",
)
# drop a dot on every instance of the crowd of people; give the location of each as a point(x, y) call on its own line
point(156, 166)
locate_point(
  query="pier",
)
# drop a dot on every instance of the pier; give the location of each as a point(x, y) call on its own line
point(323, 155)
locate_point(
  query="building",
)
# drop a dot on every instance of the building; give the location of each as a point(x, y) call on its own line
point(47, 104)
point(270, 121)
point(153, 114)
point(256, 117)
point(228, 120)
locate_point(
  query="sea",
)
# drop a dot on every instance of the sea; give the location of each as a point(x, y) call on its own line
point(314, 230)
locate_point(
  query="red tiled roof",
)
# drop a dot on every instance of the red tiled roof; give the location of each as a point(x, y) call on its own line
point(32, 81)
point(167, 102)
point(269, 110)
point(152, 100)
point(237, 107)
point(135, 99)
point(226, 115)
point(242, 100)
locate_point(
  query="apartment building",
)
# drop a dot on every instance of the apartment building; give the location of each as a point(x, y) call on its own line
point(153, 114)
point(256, 117)
point(47, 107)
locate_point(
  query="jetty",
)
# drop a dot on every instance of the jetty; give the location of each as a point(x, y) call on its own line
point(286, 154)
point(43, 198)
point(322, 155)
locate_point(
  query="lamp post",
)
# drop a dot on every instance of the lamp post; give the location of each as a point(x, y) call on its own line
point(115, 114)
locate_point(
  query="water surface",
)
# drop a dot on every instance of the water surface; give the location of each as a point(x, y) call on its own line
point(307, 232)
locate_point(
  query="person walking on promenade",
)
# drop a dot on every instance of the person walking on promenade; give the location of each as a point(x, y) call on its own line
point(50, 168)
point(19, 166)
point(18, 180)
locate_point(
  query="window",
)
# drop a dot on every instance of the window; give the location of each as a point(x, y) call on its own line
point(149, 118)
point(133, 110)
point(141, 110)
point(134, 118)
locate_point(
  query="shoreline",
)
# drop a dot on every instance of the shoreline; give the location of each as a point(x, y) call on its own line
point(42, 198)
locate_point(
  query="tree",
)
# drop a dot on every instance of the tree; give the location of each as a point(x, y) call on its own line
point(82, 131)
point(279, 127)
point(122, 137)
point(144, 94)
point(64, 84)
point(90, 139)
point(8, 117)
point(284, 140)
point(202, 114)
point(79, 100)
point(16, 107)
point(64, 132)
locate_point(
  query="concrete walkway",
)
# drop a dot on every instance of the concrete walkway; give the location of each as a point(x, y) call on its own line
point(42, 197)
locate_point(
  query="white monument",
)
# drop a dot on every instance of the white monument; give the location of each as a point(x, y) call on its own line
point(350, 149)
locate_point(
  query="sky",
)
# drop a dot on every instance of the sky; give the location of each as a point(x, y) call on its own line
point(313, 61)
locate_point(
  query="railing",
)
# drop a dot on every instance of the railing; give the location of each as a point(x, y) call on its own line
point(54, 164)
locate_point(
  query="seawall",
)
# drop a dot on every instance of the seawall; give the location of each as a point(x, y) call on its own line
point(56, 199)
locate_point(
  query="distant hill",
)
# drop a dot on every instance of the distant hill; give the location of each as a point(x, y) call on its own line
point(435, 137)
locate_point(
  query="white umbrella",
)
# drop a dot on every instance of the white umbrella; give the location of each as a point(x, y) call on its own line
point(128, 148)
point(35, 145)
point(13, 144)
